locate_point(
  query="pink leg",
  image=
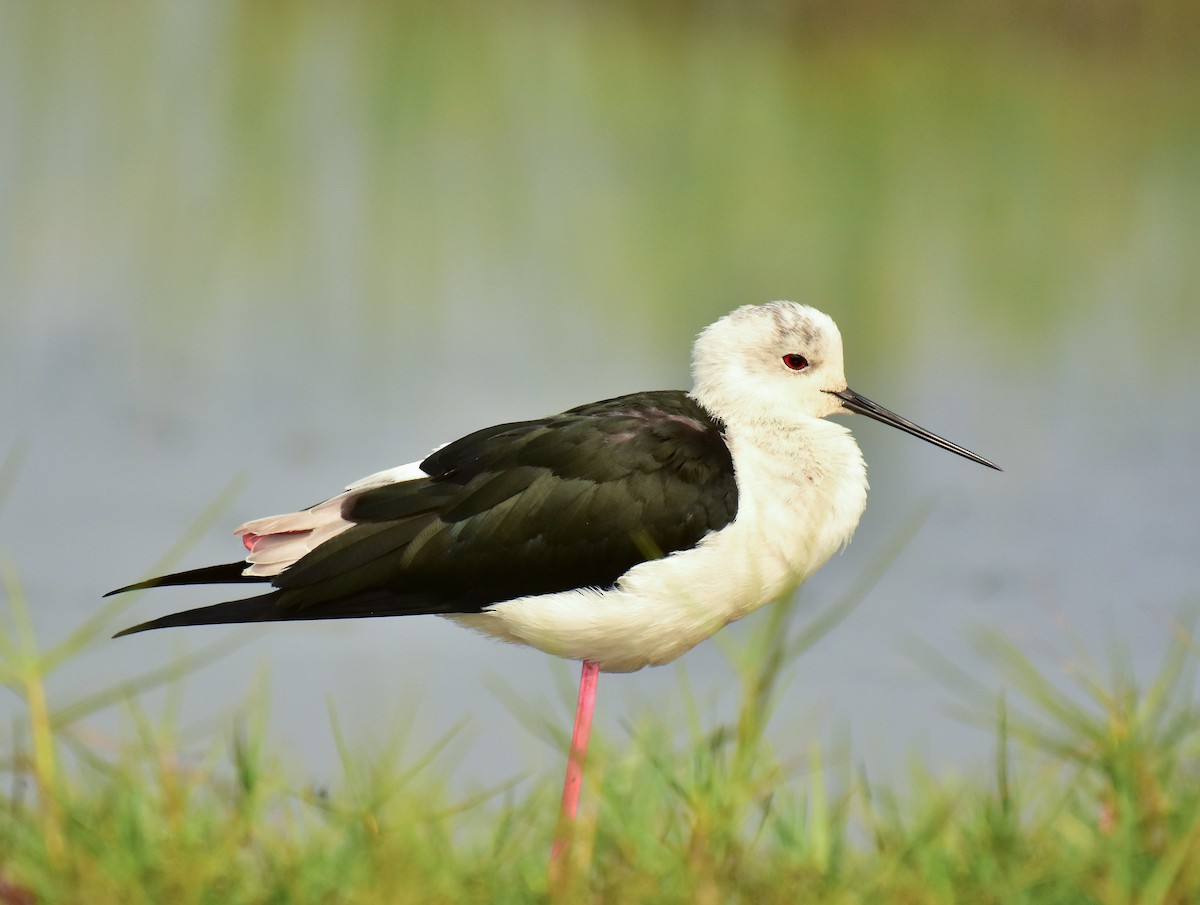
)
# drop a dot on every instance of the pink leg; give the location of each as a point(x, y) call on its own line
point(588, 678)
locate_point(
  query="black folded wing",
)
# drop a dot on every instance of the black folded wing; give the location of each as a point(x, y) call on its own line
point(533, 507)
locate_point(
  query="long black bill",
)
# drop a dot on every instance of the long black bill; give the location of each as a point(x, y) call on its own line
point(864, 406)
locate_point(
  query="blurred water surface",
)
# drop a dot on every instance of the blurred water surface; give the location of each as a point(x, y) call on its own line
point(302, 242)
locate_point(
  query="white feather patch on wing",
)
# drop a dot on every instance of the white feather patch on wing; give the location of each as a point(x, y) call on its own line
point(409, 472)
point(279, 541)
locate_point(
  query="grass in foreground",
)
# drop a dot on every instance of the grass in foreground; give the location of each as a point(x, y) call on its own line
point(1087, 802)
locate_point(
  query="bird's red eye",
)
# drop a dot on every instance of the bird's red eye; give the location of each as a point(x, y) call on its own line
point(795, 362)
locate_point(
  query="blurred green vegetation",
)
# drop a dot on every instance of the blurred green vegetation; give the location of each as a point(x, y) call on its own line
point(1018, 162)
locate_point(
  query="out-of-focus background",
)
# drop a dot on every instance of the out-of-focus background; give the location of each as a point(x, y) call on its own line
point(295, 243)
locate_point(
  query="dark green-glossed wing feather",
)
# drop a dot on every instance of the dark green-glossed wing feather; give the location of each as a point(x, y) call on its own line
point(533, 507)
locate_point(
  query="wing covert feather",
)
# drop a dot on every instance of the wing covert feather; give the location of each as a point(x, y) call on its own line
point(531, 508)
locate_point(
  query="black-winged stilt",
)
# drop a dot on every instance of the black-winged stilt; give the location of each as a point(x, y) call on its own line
point(620, 533)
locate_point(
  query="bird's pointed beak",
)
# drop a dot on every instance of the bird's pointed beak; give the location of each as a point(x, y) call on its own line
point(861, 405)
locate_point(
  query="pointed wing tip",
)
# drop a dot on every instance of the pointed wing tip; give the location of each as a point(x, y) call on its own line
point(225, 573)
point(133, 629)
point(136, 586)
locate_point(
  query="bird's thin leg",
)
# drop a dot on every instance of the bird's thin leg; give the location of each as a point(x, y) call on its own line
point(588, 679)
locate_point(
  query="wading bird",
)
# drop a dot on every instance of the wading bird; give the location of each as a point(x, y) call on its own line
point(620, 533)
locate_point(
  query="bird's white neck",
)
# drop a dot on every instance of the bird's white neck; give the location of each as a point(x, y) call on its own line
point(803, 483)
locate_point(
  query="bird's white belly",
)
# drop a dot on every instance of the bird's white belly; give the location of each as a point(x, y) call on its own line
point(791, 518)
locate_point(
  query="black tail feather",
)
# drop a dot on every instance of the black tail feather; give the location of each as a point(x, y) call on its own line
point(251, 609)
point(272, 608)
point(226, 573)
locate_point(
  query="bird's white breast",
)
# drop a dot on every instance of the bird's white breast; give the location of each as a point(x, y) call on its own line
point(801, 490)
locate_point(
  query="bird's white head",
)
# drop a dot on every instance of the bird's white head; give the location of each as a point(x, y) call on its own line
point(782, 363)
point(775, 362)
